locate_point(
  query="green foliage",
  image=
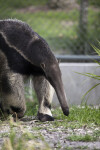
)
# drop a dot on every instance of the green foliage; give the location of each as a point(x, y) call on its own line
point(97, 50)
point(92, 2)
point(84, 138)
point(25, 141)
point(12, 137)
point(57, 34)
point(2, 117)
point(32, 108)
point(78, 117)
point(59, 28)
point(95, 3)
point(22, 3)
point(28, 135)
point(90, 75)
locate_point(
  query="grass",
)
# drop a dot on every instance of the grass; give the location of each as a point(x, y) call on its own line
point(23, 137)
point(25, 141)
point(77, 148)
point(84, 138)
point(20, 138)
point(58, 34)
point(31, 108)
point(22, 3)
point(59, 28)
point(78, 117)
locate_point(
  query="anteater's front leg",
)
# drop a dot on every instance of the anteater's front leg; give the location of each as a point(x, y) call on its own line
point(44, 93)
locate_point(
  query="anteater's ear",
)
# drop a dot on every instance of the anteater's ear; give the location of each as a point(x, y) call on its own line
point(42, 66)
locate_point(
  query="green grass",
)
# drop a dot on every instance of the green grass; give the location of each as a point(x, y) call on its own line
point(53, 26)
point(83, 117)
point(59, 28)
point(78, 117)
point(22, 3)
point(84, 138)
point(95, 3)
point(26, 140)
point(32, 109)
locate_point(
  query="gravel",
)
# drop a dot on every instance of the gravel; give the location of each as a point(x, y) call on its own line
point(56, 138)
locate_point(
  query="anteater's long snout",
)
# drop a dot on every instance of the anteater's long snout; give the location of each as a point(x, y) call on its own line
point(56, 81)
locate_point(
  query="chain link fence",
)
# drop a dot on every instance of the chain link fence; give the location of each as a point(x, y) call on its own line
point(69, 26)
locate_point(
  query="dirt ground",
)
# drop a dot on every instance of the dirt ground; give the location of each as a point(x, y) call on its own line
point(55, 137)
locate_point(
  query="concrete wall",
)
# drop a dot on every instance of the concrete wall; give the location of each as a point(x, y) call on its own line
point(77, 85)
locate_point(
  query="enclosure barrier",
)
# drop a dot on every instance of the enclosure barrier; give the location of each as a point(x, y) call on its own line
point(76, 85)
point(78, 58)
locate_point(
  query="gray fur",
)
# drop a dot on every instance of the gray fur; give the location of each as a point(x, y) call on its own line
point(44, 93)
point(24, 52)
point(12, 95)
point(11, 89)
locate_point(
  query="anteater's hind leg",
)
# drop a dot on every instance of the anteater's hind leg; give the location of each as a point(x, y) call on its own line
point(44, 93)
point(12, 92)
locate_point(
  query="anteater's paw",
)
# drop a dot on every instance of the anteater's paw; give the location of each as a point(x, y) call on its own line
point(45, 117)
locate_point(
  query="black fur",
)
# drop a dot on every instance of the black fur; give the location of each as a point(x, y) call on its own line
point(17, 112)
point(29, 54)
point(15, 109)
point(47, 104)
point(16, 62)
point(1, 108)
point(2, 111)
point(6, 88)
point(45, 117)
point(21, 36)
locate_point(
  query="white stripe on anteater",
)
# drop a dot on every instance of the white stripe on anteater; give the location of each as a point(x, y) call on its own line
point(15, 48)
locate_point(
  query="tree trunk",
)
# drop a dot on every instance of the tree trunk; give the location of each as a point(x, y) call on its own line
point(83, 23)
